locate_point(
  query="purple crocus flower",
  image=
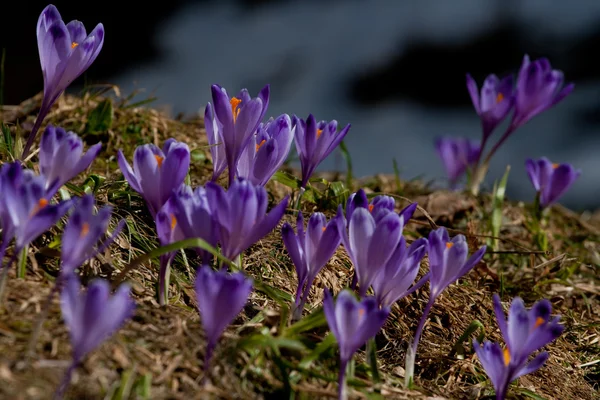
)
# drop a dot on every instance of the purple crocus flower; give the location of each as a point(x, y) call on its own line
point(240, 215)
point(66, 51)
point(352, 322)
point(525, 332)
point(91, 317)
point(221, 296)
point(83, 231)
point(237, 119)
point(266, 151)
point(61, 157)
point(550, 180)
point(379, 206)
point(310, 251)
point(447, 263)
point(494, 103)
point(156, 173)
point(457, 155)
point(214, 132)
point(398, 274)
point(314, 142)
point(194, 217)
point(25, 211)
point(539, 87)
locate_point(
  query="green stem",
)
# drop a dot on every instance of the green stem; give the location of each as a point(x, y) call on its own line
point(22, 265)
point(372, 359)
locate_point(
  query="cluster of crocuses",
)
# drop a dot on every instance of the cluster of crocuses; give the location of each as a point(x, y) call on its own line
point(538, 88)
point(234, 219)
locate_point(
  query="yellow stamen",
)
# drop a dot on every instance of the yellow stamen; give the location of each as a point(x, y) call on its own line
point(449, 245)
point(85, 229)
point(506, 356)
point(371, 207)
point(258, 146)
point(74, 44)
point(319, 132)
point(159, 160)
point(499, 97)
point(235, 102)
point(539, 321)
point(555, 165)
point(41, 204)
point(173, 221)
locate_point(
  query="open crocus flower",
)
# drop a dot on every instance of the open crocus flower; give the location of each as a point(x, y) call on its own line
point(550, 180)
point(398, 274)
point(539, 87)
point(525, 332)
point(494, 103)
point(240, 215)
point(91, 317)
point(378, 206)
point(266, 151)
point(66, 51)
point(314, 142)
point(448, 262)
point(236, 120)
point(156, 173)
point(352, 322)
point(221, 296)
point(25, 211)
point(310, 251)
point(457, 155)
point(61, 157)
point(83, 231)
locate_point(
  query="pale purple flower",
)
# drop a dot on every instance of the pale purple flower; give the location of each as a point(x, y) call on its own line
point(83, 231)
point(310, 250)
point(550, 180)
point(457, 155)
point(240, 214)
point(525, 332)
point(352, 322)
point(493, 103)
point(61, 157)
point(379, 206)
point(66, 51)
point(214, 132)
point(156, 173)
point(314, 142)
point(539, 87)
point(221, 296)
point(237, 119)
point(266, 151)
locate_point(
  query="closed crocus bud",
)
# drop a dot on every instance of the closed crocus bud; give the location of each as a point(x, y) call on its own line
point(457, 155)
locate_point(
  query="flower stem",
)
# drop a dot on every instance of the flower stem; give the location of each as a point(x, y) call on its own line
point(22, 264)
point(412, 350)
point(210, 347)
point(163, 281)
point(342, 388)
point(300, 194)
point(4, 272)
point(42, 317)
point(372, 359)
point(34, 130)
point(60, 392)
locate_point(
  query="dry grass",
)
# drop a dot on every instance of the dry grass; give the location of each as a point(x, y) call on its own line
point(159, 353)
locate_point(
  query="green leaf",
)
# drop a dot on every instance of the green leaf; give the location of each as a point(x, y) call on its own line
point(310, 322)
point(286, 179)
point(497, 207)
point(346, 155)
point(458, 345)
point(328, 343)
point(100, 118)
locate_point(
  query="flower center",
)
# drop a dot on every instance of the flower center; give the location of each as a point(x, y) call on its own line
point(85, 229)
point(258, 146)
point(173, 221)
point(235, 102)
point(74, 44)
point(499, 98)
point(449, 245)
point(323, 229)
point(371, 207)
point(41, 204)
point(555, 165)
point(159, 160)
point(506, 356)
point(539, 321)
point(319, 133)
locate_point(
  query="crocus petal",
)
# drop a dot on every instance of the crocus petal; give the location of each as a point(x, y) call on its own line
point(532, 365)
point(127, 172)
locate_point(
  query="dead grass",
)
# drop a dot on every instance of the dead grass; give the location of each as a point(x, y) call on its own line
point(159, 353)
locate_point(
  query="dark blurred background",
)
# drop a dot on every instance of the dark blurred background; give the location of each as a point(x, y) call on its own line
point(395, 69)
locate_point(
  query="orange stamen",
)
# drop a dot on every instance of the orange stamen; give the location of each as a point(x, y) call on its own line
point(361, 312)
point(506, 356)
point(319, 132)
point(539, 321)
point(499, 97)
point(41, 204)
point(235, 102)
point(173, 221)
point(371, 207)
point(258, 146)
point(555, 165)
point(74, 44)
point(85, 229)
point(159, 160)
point(323, 229)
point(449, 245)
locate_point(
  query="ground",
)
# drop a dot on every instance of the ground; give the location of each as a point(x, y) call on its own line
point(159, 353)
